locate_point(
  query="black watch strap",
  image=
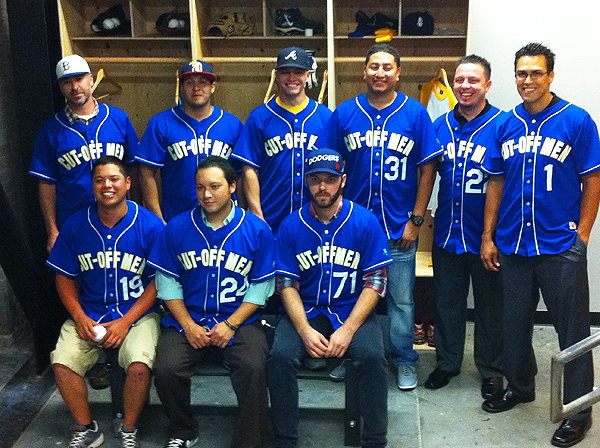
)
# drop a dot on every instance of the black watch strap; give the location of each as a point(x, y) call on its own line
point(417, 220)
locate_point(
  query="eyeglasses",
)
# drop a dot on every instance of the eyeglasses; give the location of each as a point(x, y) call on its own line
point(534, 75)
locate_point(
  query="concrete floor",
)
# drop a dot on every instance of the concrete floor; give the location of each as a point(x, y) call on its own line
point(449, 417)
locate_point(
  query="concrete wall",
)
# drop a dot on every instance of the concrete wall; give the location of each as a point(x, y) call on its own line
point(498, 29)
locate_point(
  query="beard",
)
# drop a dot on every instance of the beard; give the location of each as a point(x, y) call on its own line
point(327, 201)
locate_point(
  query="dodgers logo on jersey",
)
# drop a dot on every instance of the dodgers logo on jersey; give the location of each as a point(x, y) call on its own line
point(550, 147)
point(215, 258)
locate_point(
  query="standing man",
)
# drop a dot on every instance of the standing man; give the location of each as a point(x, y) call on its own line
point(389, 146)
point(106, 245)
point(276, 139)
point(541, 205)
point(178, 139)
point(70, 142)
point(331, 258)
point(467, 135)
point(216, 268)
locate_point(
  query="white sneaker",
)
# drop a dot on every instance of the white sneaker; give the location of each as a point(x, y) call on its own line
point(87, 438)
point(407, 377)
point(128, 439)
point(180, 443)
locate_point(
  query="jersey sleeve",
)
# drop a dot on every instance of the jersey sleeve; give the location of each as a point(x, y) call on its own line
point(131, 141)
point(426, 136)
point(285, 256)
point(163, 257)
point(493, 163)
point(586, 147)
point(375, 252)
point(333, 134)
point(249, 146)
point(43, 162)
point(264, 265)
point(151, 149)
point(63, 258)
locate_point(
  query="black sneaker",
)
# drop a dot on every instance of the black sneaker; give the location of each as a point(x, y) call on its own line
point(86, 438)
point(291, 22)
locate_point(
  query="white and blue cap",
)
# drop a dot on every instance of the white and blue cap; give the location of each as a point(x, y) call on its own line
point(294, 57)
point(72, 65)
point(324, 160)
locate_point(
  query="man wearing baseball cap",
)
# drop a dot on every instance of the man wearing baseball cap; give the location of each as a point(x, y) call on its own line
point(70, 142)
point(276, 139)
point(178, 139)
point(331, 270)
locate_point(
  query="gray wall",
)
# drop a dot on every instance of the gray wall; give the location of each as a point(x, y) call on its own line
point(498, 29)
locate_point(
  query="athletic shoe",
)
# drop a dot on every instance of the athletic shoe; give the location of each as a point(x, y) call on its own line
point(407, 377)
point(86, 438)
point(290, 22)
point(339, 373)
point(419, 335)
point(180, 443)
point(314, 364)
point(431, 336)
point(128, 439)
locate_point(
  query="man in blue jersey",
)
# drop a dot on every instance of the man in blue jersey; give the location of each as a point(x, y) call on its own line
point(276, 139)
point(70, 142)
point(389, 145)
point(331, 265)
point(542, 201)
point(215, 267)
point(106, 246)
point(178, 139)
point(467, 134)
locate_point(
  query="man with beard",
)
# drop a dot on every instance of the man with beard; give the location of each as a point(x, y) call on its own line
point(331, 270)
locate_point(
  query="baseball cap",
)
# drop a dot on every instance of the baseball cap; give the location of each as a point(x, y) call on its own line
point(324, 160)
point(197, 67)
point(72, 65)
point(294, 57)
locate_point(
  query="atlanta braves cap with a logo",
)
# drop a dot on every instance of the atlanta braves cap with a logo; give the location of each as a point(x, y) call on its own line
point(324, 160)
point(294, 57)
point(197, 67)
point(72, 65)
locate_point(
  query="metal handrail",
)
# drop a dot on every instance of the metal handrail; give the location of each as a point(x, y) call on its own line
point(558, 410)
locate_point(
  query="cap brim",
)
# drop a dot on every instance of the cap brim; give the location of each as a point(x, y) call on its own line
point(73, 74)
point(292, 65)
point(210, 75)
point(323, 170)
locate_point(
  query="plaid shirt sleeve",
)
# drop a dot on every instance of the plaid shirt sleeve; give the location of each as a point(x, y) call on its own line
point(376, 280)
point(283, 282)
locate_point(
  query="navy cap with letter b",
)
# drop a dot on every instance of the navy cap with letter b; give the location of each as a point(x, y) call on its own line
point(324, 160)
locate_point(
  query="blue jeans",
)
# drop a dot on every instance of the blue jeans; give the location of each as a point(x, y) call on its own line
point(400, 304)
point(365, 350)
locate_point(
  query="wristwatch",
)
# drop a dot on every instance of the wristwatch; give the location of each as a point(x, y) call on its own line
point(417, 220)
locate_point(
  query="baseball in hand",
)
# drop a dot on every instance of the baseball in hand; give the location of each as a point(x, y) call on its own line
point(100, 332)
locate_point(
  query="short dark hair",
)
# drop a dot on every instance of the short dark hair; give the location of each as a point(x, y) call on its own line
point(474, 59)
point(218, 162)
point(536, 49)
point(383, 48)
point(110, 160)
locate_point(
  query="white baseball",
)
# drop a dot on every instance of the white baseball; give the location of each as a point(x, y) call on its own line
point(173, 23)
point(109, 24)
point(100, 332)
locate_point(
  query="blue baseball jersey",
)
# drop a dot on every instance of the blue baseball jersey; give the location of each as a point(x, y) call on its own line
point(382, 150)
point(463, 184)
point(110, 261)
point(64, 154)
point(177, 143)
point(329, 260)
point(214, 267)
point(543, 157)
point(276, 141)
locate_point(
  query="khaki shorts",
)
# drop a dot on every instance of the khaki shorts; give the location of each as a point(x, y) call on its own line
point(80, 355)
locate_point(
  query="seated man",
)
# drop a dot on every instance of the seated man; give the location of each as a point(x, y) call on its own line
point(331, 258)
point(106, 245)
point(215, 268)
